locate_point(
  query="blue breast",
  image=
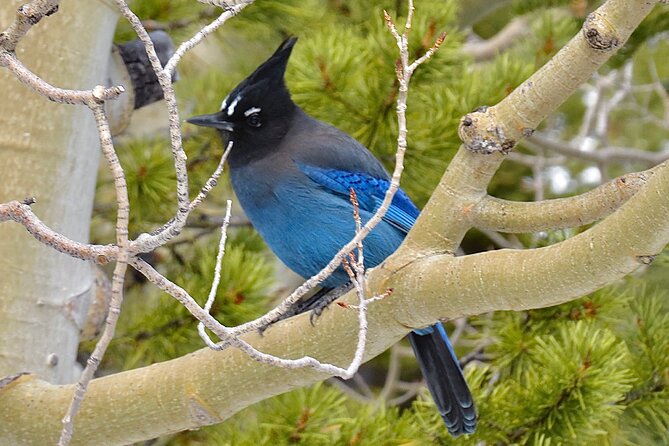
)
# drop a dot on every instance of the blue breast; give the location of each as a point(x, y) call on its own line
point(306, 223)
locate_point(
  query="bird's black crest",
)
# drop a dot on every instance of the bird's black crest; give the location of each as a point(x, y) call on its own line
point(268, 78)
point(275, 66)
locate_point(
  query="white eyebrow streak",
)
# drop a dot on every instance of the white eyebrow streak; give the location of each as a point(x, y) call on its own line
point(231, 109)
point(251, 111)
point(224, 103)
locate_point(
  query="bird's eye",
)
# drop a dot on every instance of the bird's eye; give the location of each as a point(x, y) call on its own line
point(254, 120)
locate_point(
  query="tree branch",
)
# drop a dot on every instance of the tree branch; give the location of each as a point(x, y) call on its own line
point(483, 50)
point(21, 213)
point(523, 217)
point(27, 16)
point(427, 288)
point(55, 94)
point(489, 133)
point(605, 155)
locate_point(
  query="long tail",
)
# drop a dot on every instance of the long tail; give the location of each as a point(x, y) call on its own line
point(444, 378)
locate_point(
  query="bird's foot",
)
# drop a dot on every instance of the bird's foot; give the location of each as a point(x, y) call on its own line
point(322, 299)
point(316, 304)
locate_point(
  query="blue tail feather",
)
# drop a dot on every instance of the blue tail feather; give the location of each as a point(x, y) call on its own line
point(444, 378)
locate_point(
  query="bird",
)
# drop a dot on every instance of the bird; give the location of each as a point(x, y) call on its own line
point(293, 176)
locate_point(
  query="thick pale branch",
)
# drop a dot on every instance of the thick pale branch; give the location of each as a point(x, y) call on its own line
point(436, 285)
point(195, 390)
point(521, 279)
point(489, 133)
point(523, 217)
point(439, 285)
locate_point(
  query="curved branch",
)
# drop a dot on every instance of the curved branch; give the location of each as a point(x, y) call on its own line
point(22, 214)
point(489, 133)
point(27, 16)
point(484, 50)
point(55, 94)
point(202, 388)
point(519, 217)
point(445, 287)
point(426, 288)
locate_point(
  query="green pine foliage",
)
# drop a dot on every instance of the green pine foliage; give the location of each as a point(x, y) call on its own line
point(154, 327)
point(595, 370)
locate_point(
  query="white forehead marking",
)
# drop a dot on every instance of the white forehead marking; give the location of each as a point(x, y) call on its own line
point(224, 103)
point(251, 111)
point(231, 108)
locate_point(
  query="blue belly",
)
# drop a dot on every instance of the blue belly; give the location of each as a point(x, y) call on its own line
point(306, 225)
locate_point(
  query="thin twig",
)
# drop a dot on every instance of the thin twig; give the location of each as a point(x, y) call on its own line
point(21, 213)
point(393, 374)
point(404, 72)
point(212, 181)
point(55, 94)
point(230, 12)
point(148, 242)
point(606, 155)
point(512, 34)
point(225, 333)
point(350, 391)
point(27, 16)
point(118, 277)
point(217, 276)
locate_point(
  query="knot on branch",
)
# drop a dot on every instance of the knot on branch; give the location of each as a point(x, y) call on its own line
point(33, 15)
point(599, 33)
point(645, 259)
point(481, 133)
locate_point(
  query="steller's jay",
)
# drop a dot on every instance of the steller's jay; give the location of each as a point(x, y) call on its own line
point(292, 176)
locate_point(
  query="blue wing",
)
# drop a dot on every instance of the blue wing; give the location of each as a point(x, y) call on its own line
point(370, 192)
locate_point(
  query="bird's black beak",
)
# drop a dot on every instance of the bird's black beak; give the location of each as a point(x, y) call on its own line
point(215, 120)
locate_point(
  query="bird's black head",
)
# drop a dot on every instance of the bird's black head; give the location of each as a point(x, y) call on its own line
point(257, 113)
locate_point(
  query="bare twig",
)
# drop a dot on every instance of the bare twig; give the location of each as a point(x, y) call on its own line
point(606, 155)
point(404, 72)
point(212, 181)
point(217, 276)
point(659, 89)
point(122, 218)
point(60, 95)
point(27, 16)
point(511, 34)
point(411, 391)
point(21, 213)
point(393, 374)
point(148, 242)
point(500, 241)
point(201, 34)
point(227, 334)
point(350, 391)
